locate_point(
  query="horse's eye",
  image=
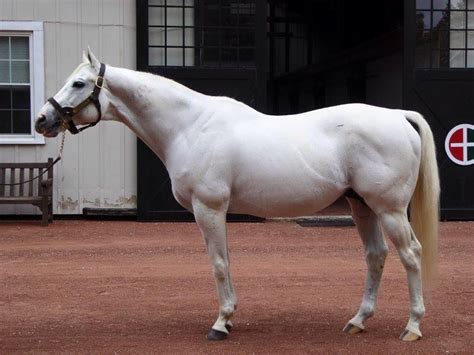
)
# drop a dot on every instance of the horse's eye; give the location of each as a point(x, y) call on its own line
point(78, 84)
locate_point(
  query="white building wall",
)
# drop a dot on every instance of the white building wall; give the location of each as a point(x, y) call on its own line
point(99, 165)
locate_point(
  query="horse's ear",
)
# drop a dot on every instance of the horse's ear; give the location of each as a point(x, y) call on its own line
point(85, 59)
point(92, 59)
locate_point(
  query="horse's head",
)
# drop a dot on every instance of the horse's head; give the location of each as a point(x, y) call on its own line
point(78, 102)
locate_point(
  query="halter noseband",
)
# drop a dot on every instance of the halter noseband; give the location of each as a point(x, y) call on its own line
point(67, 113)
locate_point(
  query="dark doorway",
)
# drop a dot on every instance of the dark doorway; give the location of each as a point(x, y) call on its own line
point(439, 82)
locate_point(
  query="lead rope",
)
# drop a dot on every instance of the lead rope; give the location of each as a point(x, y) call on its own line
point(60, 155)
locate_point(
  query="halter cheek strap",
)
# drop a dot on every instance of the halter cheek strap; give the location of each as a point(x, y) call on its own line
point(67, 112)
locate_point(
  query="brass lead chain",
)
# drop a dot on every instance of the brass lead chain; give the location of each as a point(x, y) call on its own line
point(61, 147)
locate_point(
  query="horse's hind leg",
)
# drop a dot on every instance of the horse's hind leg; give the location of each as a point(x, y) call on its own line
point(375, 254)
point(212, 223)
point(397, 227)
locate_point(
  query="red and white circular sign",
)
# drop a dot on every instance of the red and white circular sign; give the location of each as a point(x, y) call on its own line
point(459, 144)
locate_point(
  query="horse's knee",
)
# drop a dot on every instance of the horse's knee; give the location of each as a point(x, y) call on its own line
point(220, 269)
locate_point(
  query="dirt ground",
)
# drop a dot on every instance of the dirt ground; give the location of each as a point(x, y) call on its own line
point(104, 287)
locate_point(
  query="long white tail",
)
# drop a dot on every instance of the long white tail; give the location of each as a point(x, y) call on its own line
point(424, 205)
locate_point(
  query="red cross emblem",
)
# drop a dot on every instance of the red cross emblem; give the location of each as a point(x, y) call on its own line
point(459, 144)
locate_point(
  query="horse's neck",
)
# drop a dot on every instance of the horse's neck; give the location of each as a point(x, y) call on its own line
point(156, 109)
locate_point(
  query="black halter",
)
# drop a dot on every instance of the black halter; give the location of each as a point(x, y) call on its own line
point(67, 113)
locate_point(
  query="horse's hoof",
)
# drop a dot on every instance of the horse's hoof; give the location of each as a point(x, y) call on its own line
point(352, 329)
point(409, 336)
point(229, 327)
point(216, 335)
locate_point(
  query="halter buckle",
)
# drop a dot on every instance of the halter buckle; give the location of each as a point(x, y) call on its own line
point(99, 82)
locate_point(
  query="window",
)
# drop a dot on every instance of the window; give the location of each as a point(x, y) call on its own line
point(21, 81)
point(204, 33)
point(445, 33)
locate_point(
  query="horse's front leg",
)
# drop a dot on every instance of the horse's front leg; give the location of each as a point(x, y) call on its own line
point(212, 223)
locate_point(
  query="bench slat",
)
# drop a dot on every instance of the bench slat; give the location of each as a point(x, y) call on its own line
point(40, 171)
point(12, 181)
point(22, 178)
point(30, 187)
point(2, 181)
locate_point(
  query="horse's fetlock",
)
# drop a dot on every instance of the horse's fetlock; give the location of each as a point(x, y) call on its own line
point(418, 312)
point(367, 310)
point(227, 311)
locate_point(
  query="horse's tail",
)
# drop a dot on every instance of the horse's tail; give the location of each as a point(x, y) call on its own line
point(424, 205)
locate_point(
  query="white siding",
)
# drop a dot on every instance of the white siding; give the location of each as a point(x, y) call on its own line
point(99, 165)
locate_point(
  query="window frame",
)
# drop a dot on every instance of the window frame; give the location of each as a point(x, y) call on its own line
point(34, 30)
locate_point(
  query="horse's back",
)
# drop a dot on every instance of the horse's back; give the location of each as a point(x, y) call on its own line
point(292, 165)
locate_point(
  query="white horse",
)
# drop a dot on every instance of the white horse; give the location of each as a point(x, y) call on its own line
point(223, 156)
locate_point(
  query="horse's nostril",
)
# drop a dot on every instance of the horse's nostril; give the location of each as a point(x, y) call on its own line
point(40, 119)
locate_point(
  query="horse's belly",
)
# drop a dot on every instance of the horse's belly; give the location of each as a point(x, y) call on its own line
point(283, 196)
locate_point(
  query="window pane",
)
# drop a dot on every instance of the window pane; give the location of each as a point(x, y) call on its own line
point(458, 20)
point(210, 55)
point(423, 4)
point(156, 36)
point(156, 2)
point(470, 20)
point(458, 4)
point(4, 71)
point(175, 37)
point(422, 56)
point(441, 39)
point(189, 38)
point(423, 19)
point(4, 48)
point(210, 38)
point(21, 97)
point(247, 38)
point(20, 47)
point(229, 55)
point(440, 20)
point(174, 56)
point(156, 16)
point(21, 121)
point(440, 4)
point(470, 39)
point(5, 121)
point(174, 17)
point(156, 56)
point(470, 59)
point(470, 4)
point(457, 59)
point(20, 72)
point(189, 57)
point(189, 17)
point(230, 38)
point(5, 98)
point(457, 39)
